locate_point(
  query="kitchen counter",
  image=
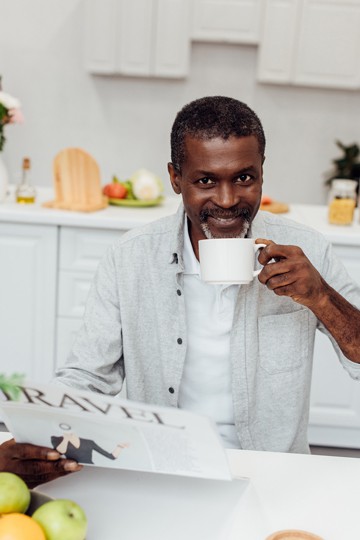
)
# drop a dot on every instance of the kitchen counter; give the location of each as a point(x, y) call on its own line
point(112, 217)
point(115, 217)
point(316, 216)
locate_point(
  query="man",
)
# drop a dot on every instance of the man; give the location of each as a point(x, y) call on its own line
point(240, 354)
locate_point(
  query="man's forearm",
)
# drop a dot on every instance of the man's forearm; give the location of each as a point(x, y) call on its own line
point(342, 320)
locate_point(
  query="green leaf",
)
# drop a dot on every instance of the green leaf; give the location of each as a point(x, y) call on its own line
point(10, 385)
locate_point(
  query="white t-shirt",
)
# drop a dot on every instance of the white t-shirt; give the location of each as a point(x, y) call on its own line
point(206, 383)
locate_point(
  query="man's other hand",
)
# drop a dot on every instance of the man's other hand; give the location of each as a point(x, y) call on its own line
point(34, 464)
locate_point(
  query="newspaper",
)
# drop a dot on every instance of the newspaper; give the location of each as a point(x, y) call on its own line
point(106, 431)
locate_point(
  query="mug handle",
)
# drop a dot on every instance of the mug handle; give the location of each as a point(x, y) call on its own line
point(256, 248)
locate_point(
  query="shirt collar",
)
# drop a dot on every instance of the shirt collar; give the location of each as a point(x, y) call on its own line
point(191, 264)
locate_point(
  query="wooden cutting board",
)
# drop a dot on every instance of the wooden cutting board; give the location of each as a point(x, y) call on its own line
point(77, 182)
point(275, 207)
point(293, 535)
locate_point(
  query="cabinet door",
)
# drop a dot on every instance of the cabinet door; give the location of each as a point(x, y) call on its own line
point(311, 43)
point(172, 41)
point(146, 38)
point(135, 37)
point(335, 397)
point(82, 248)
point(100, 35)
point(328, 48)
point(277, 50)
point(80, 252)
point(28, 255)
point(232, 21)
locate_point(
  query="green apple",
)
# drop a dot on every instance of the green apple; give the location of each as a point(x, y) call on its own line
point(61, 519)
point(14, 494)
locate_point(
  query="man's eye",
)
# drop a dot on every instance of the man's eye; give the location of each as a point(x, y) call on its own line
point(243, 178)
point(206, 181)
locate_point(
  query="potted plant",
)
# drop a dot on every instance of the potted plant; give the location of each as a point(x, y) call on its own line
point(347, 166)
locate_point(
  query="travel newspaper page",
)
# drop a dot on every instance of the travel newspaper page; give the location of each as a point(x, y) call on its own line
point(106, 431)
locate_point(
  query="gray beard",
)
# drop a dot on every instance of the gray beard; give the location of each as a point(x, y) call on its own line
point(244, 213)
point(208, 234)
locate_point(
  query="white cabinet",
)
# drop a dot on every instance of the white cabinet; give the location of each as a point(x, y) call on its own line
point(335, 397)
point(311, 43)
point(232, 21)
point(137, 37)
point(80, 251)
point(28, 255)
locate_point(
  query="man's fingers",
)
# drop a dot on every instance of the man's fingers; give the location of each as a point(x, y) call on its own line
point(39, 472)
point(35, 464)
point(277, 252)
point(27, 451)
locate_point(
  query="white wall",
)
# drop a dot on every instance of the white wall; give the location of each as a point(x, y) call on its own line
point(125, 122)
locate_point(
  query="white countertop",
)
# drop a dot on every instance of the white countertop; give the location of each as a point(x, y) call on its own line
point(118, 217)
point(112, 217)
point(318, 494)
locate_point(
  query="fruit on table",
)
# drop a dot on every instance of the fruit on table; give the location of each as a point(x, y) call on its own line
point(265, 199)
point(142, 185)
point(19, 526)
point(115, 190)
point(14, 494)
point(61, 519)
point(146, 185)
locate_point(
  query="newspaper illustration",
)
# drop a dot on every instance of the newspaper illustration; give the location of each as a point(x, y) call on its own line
point(106, 431)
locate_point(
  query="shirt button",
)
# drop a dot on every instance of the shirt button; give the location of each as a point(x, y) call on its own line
point(179, 340)
point(171, 390)
point(178, 292)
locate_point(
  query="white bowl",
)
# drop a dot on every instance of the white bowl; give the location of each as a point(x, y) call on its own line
point(37, 499)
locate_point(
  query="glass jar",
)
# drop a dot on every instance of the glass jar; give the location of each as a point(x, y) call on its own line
point(342, 201)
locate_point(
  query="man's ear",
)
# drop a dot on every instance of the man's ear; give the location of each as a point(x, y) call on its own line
point(175, 178)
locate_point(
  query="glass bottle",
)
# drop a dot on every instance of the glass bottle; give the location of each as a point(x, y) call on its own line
point(342, 201)
point(25, 192)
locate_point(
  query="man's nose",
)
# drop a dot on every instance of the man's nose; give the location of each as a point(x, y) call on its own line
point(226, 196)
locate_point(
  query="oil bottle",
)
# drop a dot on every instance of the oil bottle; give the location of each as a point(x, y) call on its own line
point(25, 192)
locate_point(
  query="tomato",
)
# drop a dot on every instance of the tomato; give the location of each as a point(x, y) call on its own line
point(115, 191)
point(266, 199)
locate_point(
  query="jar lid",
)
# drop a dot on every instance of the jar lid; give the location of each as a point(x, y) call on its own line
point(293, 535)
point(344, 184)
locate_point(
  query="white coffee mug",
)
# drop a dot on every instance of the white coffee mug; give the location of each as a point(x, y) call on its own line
point(228, 260)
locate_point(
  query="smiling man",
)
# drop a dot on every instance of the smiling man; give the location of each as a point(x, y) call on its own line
point(240, 354)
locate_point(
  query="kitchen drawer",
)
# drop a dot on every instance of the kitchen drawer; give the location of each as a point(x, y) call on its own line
point(73, 291)
point(82, 249)
point(350, 257)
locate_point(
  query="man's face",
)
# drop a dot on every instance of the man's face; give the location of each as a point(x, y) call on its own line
point(221, 185)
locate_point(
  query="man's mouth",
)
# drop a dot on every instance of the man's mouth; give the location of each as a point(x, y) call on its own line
point(218, 222)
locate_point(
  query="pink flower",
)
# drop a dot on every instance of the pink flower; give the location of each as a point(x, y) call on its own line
point(16, 116)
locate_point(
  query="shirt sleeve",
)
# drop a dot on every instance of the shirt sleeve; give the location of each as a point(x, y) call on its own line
point(336, 275)
point(95, 362)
